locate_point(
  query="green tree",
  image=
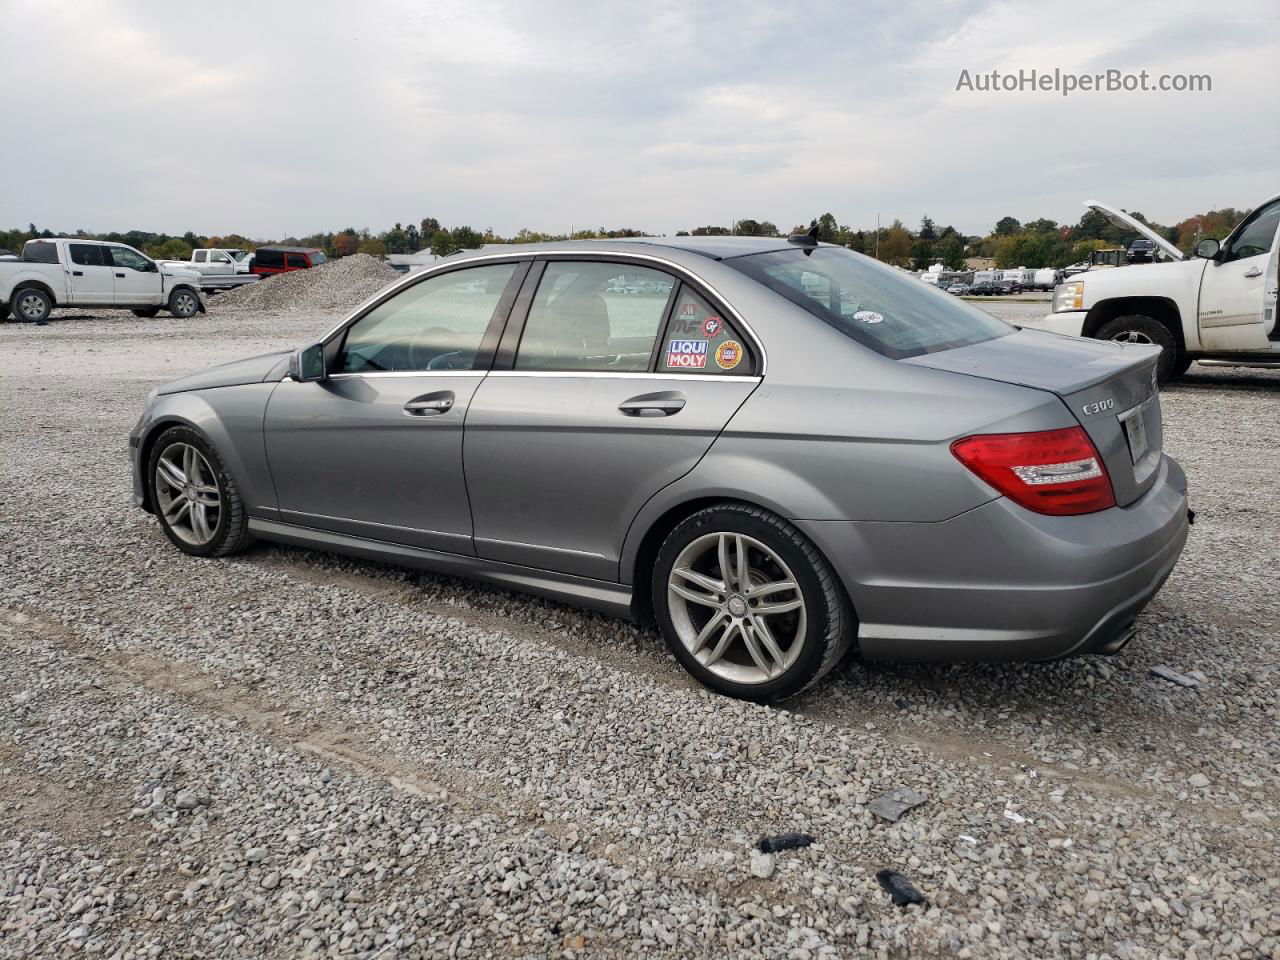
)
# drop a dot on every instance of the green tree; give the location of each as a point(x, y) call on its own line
point(895, 245)
point(464, 238)
point(373, 246)
point(1007, 226)
point(927, 229)
point(951, 250)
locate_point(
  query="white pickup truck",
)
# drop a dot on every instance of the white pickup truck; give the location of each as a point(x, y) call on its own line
point(1219, 304)
point(91, 273)
point(219, 269)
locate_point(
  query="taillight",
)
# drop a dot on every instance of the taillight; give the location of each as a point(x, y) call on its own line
point(1057, 472)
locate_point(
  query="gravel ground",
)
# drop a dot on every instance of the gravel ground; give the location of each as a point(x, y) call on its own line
point(294, 754)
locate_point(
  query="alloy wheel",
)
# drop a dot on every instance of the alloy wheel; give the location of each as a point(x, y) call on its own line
point(187, 493)
point(185, 303)
point(1132, 336)
point(31, 306)
point(737, 607)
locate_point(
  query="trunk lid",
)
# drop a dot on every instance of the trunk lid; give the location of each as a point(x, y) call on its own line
point(1109, 388)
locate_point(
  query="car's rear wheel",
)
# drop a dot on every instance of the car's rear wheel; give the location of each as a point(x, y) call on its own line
point(748, 605)
point(146, 311)
point(1139, 328)
point(32, 305)
point(183, 303)
point(194, 496)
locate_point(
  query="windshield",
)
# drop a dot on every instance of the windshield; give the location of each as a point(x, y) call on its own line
point(881, 307)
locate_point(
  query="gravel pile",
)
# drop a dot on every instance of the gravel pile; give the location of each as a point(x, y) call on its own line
point(295, 754)
point(334, 285)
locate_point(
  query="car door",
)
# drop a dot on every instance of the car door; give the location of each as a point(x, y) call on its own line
point(220, 264)
point(136, 279)
point(1238, 287)
point(91, 280)
point(611, 382)
point(375, 449)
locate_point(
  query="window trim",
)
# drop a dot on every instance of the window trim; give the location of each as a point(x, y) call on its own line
point(336, 340)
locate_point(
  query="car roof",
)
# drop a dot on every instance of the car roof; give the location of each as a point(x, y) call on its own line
point(714, 248)
point(280, 249)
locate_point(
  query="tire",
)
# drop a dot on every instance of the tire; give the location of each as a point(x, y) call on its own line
point(32, 305)
point(1139, 328)
point(212, 494)
point(713, 636)
point(183, 303)
point(147, 312)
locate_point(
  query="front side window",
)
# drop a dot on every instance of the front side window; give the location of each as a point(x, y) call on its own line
point(86, 254)
point(318, 258)
point(1257, 236)
point(879, 306)
point(437, 324)
point(132, 259)
point(594, 317)
point(700, 340)
point(219, 257)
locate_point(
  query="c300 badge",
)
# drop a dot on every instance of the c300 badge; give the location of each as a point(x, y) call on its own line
point(868, 316)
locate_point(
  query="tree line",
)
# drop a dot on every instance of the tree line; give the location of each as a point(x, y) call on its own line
point(1010, 243)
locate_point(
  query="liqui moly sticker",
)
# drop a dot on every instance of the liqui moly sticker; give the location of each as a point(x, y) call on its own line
point(687, 354)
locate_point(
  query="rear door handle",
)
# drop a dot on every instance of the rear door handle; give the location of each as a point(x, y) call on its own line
point(120, 276)
point(77, 273)
point(1253, 272)
point(653, 405)
point(430, 404)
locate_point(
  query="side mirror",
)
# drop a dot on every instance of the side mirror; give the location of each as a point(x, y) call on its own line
point(307, 364)
point(1208, 248)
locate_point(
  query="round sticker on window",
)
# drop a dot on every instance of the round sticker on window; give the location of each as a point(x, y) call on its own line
point(868, 316)
point(728, 354)
point(711, 326)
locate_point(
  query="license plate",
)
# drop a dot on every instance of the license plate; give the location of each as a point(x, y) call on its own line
point(1135, 431)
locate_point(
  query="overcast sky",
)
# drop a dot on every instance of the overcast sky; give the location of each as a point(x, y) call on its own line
point(279, 119)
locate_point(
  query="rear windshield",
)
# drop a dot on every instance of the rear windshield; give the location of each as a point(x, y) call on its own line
point(40, 251)
point(888, 310)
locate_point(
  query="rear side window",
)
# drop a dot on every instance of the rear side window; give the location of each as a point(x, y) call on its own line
point(700, 340)
point(36, 251)
point(86, 254)
point(269, 258)
point(200, 256)
point(295, 260)
point(594, 317)
point(883, 308)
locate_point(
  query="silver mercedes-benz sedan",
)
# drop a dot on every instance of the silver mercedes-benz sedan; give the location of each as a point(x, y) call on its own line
point(777, 450)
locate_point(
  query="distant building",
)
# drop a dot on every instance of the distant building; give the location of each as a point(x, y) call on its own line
point(979, 263)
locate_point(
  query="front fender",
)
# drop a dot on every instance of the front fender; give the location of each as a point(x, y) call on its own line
point(231, 419)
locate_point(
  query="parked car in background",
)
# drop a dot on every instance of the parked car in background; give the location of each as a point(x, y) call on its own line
point(1141, 250)
point(984, 288)
point(958, 289)
point(271, 260)
point(1045, 278)
point(7, 254)
point(1218, 304)
point(788, 451)
point(219, 269)
point(91, 273)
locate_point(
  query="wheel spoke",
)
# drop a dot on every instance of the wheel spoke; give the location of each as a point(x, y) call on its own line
point(177, 510)
point(705, 633)
point(200, 521)
point(722, 644)
point(693, 596)
point(173, 474)
point(752, 644)
point(207, 495)
point(189, 463)
point(740, 579)
point(773, 609)
point(722, 556)
point(768, 589)
point(710, 584)
point(766, 638)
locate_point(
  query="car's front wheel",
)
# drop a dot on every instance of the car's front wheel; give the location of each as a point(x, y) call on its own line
point(194, 496)
point(748, 605)
point(183, 303)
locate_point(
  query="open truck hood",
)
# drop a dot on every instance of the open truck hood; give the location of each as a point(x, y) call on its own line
point(1102, 383)
point(1122, 219)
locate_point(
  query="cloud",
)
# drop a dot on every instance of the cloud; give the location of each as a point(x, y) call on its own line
point(656, 115)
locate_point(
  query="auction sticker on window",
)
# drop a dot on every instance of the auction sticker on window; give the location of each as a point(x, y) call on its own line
point(687, 354)
point(728, 354)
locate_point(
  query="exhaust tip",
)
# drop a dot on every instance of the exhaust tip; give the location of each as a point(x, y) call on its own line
point(1117, 643)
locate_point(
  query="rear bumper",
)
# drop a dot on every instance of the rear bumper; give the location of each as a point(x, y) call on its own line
point(1070, 323)
point(1002, 583)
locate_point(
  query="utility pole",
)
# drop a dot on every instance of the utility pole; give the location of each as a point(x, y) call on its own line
point(877, 236)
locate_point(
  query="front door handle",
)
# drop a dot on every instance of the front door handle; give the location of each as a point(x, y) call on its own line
point(1253, 272)
point(430, 404)
point(664, 404)
point(120, 276)
point(77, 273)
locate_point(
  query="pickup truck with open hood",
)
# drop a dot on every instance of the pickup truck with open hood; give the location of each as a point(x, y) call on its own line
point(1218, 304)
point(90, 273)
